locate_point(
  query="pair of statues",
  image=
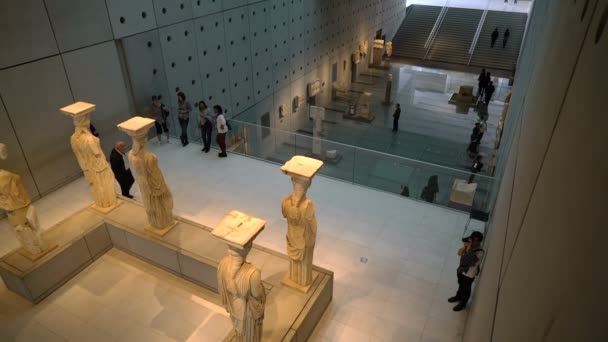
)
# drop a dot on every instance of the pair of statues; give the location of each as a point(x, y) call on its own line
point(239, 282)
point(156, 196)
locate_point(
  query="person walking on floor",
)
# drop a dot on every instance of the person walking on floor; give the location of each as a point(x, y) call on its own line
point(120, 166)
point(489, 92)
point(206, 121)
point(159, 113)
point(505, 38)
point(183, 112)
point(471, 255)
point(222, 129)
point(476, 168)
point(494, 36)
point(475, 140)
point(481, 83)
point(396, 117)
point(429, 193)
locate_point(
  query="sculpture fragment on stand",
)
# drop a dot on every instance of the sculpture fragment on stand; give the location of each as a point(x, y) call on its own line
point(389, 53)
point(91, 158)
point(17, 203)
point(239, 282)
point(301, 222)
point(156, 196)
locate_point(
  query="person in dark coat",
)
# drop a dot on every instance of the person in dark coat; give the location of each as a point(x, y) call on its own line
point(489, 92)
point(396, 117)
point(494, 36)
point(481, 82)
point(431, 189)
point(505, 38)
point(120, 166)
point(477, 166)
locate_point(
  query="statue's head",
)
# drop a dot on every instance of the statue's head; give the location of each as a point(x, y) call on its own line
point(3, 151)
point(300, 186)
point(240, 252)
point(82, 121)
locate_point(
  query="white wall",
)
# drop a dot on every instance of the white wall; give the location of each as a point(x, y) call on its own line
point(543, 276)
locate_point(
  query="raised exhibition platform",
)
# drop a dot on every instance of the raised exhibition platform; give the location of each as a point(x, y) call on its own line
point(188, 250)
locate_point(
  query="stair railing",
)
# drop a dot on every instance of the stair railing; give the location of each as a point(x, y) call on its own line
point(431, 38)
point(477, 34)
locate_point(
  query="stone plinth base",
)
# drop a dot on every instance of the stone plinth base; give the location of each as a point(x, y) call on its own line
point(304, 289)
point(34, 257)
point(161, 231)
point(187, 250)
point(107, 210)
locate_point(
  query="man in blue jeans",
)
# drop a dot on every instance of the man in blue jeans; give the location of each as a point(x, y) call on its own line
point(470, 258)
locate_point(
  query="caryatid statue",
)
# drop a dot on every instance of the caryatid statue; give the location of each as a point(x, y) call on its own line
point(15, 200)
point(91, 158)
point(156, 196)
point(301, 222)
point(239, 282)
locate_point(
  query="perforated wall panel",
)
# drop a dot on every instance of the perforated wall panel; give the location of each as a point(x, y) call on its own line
point(236, 23)
point(131, 17)
point(213, 60)
point(172, 11)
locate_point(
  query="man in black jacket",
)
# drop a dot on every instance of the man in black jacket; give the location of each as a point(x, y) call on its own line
point(471, 255)
point(120, 167)
point(396, 117)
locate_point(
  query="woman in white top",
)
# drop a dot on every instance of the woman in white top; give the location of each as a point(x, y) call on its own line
point(222, 129)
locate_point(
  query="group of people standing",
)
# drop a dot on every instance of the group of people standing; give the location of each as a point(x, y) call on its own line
point(485, 87)
point(206, 121)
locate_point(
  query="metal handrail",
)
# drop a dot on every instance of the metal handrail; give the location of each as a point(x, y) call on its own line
point(477, 34)
point(435, 30)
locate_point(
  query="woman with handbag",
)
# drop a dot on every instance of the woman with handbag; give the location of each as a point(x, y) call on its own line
point(222, 129)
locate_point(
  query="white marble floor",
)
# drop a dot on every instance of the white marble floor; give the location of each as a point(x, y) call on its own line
point(394, 258)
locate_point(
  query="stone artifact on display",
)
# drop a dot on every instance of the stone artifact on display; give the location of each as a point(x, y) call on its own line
point(301, 222)
point(17, 203)
point(239, 282)
point(389, 49)
point(91, 158)
point(156, 196)
point(378, 49)
point(318, 115)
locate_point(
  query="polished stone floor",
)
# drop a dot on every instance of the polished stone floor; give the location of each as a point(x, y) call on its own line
point(431, 140)
point(394, 259)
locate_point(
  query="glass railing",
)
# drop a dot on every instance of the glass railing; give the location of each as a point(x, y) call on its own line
point(365, 167)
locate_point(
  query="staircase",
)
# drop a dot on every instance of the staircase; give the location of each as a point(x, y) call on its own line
point(414, 31)
point(454, 38)
point(498, 58)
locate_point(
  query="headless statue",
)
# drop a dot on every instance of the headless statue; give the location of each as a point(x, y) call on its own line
point(156, 195)
point(301, 231)
point(20, 211)
point(93, 163)
point(242, 293)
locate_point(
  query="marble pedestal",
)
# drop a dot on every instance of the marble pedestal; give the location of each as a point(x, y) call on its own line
point(188, 250)
point(107, 210)
point(304, 289)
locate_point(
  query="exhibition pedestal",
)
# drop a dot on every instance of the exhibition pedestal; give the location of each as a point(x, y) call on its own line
point(187, 250)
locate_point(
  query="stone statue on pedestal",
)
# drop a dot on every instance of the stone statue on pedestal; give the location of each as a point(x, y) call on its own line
point(91, 158)
point(301, 222)
point(239, 282)
point(20, 211)
point(156, 196)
